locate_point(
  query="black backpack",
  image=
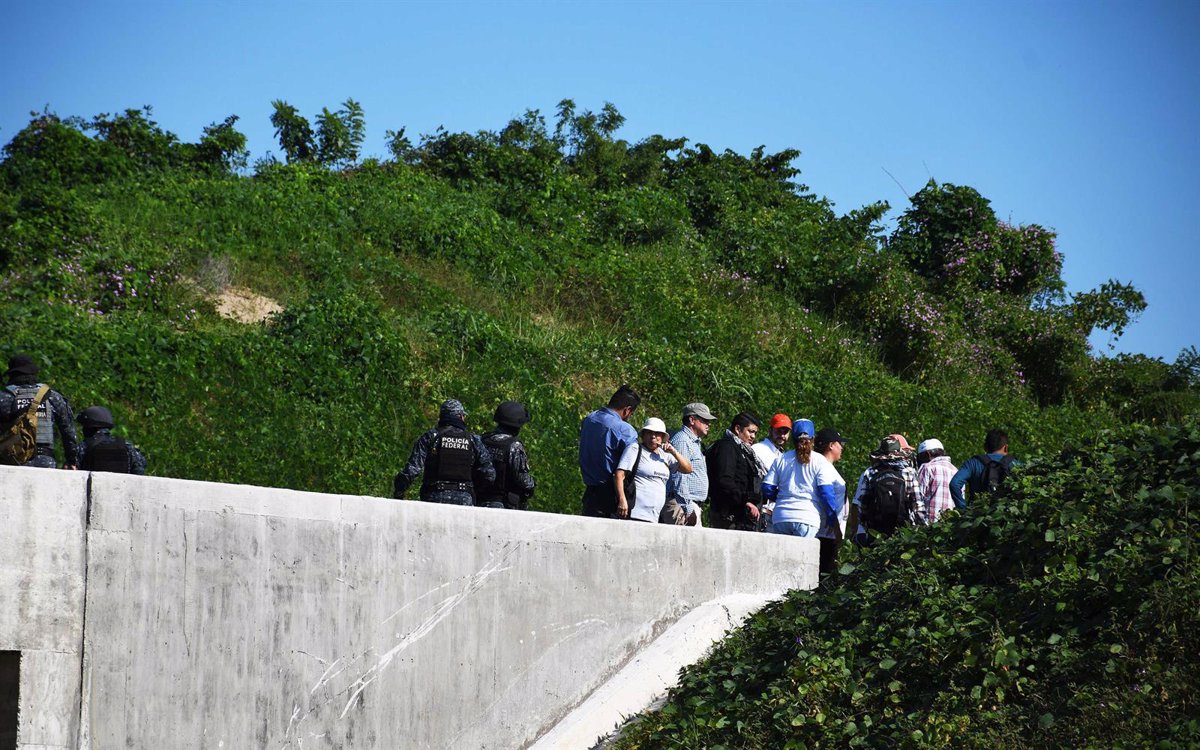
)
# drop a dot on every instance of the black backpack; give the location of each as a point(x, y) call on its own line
point(499, 445)
point(885, 503)
point(994, 472)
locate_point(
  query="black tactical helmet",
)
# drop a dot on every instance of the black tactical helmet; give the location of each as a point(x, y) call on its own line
point(512, 414)
point(95, 418)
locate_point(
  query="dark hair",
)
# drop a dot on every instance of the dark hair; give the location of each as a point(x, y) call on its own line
point(625, 396)
point(995, 440)
point(742, 420)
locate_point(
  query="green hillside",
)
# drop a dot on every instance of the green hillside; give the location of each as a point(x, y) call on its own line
point(547, 264)
point(1066, 614)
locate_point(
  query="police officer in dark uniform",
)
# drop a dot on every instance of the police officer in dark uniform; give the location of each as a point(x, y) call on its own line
point(54, 413)
point(514, 485)
point(104, 451)
point(451, 459)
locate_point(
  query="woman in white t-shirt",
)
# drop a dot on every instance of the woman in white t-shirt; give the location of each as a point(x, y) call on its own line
point(799, 482)
point(654, 458)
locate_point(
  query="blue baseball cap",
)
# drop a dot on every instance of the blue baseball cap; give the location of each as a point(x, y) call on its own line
point(803, 427)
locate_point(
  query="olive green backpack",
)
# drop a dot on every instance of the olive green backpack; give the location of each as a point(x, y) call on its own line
point(18, 438)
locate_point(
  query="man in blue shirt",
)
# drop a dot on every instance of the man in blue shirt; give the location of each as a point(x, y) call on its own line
point(974, 472)
point(603, 436)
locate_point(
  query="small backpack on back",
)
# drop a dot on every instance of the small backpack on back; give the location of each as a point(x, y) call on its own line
point(18, 438)
point(994, 472)
point(885, 505)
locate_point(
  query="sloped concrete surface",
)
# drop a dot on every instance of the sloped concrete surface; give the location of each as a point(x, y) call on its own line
point(645, 680)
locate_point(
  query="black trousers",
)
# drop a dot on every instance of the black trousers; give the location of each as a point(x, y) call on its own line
point(829, 554)
point(600, 501)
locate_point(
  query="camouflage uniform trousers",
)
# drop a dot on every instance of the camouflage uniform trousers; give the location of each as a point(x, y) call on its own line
point(448, 497)
point(42, 461)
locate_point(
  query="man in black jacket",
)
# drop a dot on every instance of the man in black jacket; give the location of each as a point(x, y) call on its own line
point(734, 488)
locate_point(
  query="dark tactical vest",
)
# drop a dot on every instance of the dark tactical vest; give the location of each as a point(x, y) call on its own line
point(450, 462)
point(105, 452)
point(45, 429)
point(499, 445)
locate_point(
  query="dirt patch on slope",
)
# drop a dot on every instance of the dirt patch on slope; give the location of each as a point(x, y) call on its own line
point(244, 305)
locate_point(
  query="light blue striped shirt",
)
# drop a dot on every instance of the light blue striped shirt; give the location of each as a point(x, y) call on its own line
point(689, 488)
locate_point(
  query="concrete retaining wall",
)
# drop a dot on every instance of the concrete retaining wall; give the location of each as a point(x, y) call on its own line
point(233, 616)
point(42, 566)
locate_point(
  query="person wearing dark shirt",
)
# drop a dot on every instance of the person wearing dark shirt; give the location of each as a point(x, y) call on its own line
point(450, 458)
point(55, 417)
point(974, 473)
point(104, 451)
point(514, 485)
point(733, 476)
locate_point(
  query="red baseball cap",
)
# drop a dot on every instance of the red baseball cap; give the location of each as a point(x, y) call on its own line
point(781, 420)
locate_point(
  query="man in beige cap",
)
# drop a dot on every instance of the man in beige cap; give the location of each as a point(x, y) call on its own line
point(685, 492)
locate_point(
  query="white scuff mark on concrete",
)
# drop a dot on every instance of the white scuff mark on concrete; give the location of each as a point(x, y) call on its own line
point(321, 680)
point(543, 528)
point(408, 604)
point(292, 721)
point(312, 656)
point(441, 612)
point(344, 582)
point(328, 676)
point(576, 625)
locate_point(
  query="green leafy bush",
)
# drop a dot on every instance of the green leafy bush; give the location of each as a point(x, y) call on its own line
point(1063, 614)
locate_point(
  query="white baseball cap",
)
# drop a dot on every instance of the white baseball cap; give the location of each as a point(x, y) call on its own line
point(932, 444)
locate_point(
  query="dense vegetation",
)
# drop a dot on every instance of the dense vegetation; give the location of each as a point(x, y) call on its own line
point(1065, 614)
point(545, 264)
point(551, 265)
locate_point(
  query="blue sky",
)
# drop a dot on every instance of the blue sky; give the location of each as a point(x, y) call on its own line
point(1080, 116)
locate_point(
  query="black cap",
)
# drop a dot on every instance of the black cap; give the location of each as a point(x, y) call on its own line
point(22, 364)
point(827, 435)
point(95, 417)
point(512, 414)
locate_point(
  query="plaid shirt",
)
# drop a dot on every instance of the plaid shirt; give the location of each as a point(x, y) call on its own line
point(933, 488)
point(688, 489)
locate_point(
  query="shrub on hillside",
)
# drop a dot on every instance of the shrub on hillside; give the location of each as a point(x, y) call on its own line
point(1063, 614)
